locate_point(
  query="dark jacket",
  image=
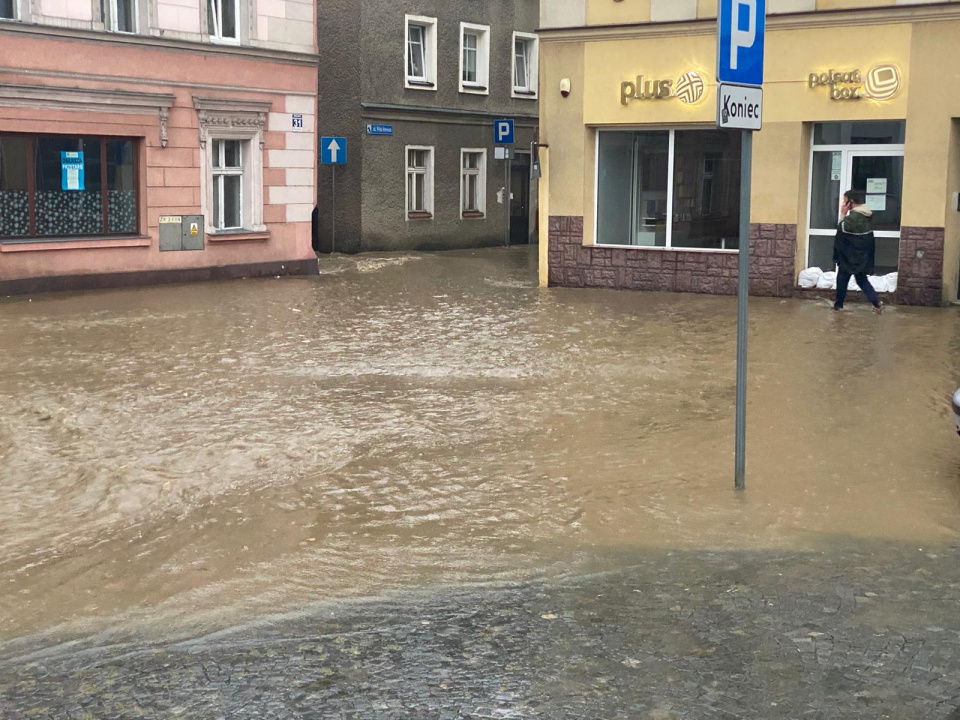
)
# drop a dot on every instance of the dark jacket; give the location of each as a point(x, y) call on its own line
point(855, 247)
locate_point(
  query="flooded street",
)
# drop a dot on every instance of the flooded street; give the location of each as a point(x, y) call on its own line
point(181, 459)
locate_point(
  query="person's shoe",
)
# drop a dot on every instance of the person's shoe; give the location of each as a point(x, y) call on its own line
point(878, 308)
point(837, 308)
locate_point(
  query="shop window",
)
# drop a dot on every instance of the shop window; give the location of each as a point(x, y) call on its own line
point(222, 20)
point(421, 53)
point(669, 188)
point(121, 15)
point(474, 58)
point(54, 186)
point(473, 183)
point(525, 65)
point(419, 183)
point(8, 9)
point(865, 156)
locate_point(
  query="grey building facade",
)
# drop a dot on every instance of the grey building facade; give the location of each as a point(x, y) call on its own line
point(433, 76)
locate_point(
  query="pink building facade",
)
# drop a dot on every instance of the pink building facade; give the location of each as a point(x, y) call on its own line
point(148, 141)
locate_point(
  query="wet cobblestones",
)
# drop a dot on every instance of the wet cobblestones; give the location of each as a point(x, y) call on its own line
point(872, 632)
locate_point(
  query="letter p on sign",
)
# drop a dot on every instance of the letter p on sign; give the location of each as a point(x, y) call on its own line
point(742, 37)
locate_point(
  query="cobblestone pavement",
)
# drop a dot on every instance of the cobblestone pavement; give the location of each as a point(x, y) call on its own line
point(871, 632)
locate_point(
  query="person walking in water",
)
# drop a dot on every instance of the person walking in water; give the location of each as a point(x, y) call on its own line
point(854, 249)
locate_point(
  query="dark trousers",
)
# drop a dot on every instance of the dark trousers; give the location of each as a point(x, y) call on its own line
point(843, 280)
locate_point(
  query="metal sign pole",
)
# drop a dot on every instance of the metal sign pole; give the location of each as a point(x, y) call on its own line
point(333, 211)
point(743, 286)
point(506, 197)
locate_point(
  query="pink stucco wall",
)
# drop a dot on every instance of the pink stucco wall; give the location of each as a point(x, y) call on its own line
point(169, 177)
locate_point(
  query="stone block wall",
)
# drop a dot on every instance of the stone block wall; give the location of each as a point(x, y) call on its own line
point(921, 266)
point(773, 248)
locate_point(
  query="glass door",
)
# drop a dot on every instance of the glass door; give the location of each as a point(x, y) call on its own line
point(877, 171)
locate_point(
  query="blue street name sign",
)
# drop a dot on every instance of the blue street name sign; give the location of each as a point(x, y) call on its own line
point(379, 129)
point(503, 132)
point(741, 26)
point(333, 151)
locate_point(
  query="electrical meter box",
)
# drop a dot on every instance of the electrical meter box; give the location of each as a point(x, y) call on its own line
point(181, 232)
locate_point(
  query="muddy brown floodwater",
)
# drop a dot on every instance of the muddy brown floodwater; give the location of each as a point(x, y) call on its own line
point(180, 459)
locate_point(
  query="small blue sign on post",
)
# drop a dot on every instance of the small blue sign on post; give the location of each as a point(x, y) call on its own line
point(333, 151)
point(71, 165)
point(503, 132)
point(377, 129)
point(741, 30)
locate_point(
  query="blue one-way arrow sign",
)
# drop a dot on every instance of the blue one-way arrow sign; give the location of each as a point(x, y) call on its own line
point(333, 151)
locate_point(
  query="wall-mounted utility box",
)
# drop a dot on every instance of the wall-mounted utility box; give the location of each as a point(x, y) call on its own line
point(181, 232)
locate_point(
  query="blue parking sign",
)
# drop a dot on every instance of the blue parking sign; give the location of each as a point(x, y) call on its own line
point(503, 132)
point(741, 26)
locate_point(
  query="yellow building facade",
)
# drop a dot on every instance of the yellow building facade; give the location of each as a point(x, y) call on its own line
point(641, 191)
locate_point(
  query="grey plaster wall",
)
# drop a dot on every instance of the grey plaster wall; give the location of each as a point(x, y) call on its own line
point(384, 42)
point(385, 225)
point(362, 68)
point(338, 23)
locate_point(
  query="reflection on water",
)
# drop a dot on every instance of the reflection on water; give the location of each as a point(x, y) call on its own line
point(206, 453)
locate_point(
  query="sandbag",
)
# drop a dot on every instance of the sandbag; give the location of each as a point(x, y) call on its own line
point(827, 281)
point(809, 277)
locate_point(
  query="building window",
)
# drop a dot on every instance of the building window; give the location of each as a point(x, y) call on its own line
point(866, 156)
point(669, 188)
point(419, 183)
point(8, 9)
point(121, 15)
point(56, 186)
point(222, 20)
point(474, 58)
point(526, 65)
point(473, 183)
point(227, 184)
point(420, 61)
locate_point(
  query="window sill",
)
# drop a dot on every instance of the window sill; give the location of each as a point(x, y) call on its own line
point(648, 248)
point(475, 89)
point(419, 216)
point(472, 215)
point(525, 94)
point(95, 243)
point(224, 41)
point(420, 85)
point(238, 236)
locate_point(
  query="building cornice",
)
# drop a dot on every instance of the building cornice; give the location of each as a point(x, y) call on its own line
point(449, 116)
point(247, 52)
point(231, 105)
point(892, 15)
point(71, 98)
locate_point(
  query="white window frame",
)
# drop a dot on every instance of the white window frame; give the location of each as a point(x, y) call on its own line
point(220, 171)
point(481, 183)
point(482, 84)
point(671, 169)
point(428, 81)
point(251, 188)
point(216, 33)
point(113, 16)
point(428, 185)
point(533, 66)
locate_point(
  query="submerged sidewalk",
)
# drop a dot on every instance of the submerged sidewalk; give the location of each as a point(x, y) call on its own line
point(870, 632)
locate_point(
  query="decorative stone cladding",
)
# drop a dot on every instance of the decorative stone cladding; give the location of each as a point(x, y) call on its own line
point(921, 266)
point(773, 248)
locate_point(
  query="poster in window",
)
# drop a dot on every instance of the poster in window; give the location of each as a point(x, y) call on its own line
point(876, 186)
point(71, 164)
point(877, 203)
point(836, 162)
